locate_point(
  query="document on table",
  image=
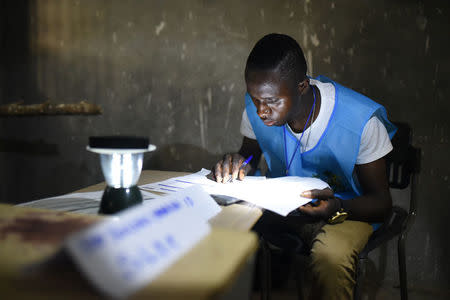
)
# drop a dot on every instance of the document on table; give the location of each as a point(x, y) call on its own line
point(280, 195)
point(87, 203)
point(176, 184)
point(97, 196)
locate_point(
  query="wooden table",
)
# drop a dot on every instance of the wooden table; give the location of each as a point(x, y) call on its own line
point(29, 235)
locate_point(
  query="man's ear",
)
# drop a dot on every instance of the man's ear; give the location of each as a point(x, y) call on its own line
point(303, 86)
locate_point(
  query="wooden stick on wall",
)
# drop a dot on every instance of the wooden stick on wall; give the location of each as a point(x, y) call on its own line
point(48, 108)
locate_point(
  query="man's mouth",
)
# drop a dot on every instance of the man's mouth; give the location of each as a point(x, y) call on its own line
point(268, 122)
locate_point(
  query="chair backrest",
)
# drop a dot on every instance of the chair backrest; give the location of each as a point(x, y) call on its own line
point(403, 164)
point(404, 160)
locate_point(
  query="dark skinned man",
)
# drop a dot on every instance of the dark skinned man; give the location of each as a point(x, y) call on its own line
point(315, 128)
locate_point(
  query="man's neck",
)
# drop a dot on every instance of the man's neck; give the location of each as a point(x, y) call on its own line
point(307, 108)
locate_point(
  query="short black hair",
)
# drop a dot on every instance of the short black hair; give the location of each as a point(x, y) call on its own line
point(279, 53)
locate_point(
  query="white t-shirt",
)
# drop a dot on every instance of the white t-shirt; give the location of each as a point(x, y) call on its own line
point(375, 141)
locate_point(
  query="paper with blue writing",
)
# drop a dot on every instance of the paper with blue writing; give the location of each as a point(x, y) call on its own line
point(122, 254)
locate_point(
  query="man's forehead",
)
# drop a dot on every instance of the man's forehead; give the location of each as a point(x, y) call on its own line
point(264, 75)
point(265, 89)
point(265, 84)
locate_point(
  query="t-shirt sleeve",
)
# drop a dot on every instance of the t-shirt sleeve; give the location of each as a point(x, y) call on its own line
point(375, 142)
point(246, 126)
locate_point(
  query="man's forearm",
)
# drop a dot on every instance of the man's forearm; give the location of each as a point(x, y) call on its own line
point(369, 208)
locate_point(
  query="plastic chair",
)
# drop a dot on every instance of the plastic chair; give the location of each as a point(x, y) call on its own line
point(402, 165)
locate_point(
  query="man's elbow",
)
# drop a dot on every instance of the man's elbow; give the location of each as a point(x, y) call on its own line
point(386, 205)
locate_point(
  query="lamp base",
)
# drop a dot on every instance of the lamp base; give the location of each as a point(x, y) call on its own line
point(117, 199)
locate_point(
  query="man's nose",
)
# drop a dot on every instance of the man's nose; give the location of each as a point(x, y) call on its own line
point(263, 110)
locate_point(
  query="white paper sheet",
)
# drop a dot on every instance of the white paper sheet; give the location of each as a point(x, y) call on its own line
point(97, 196)
point(85, 203)
point(176, 184)
point(280, 195)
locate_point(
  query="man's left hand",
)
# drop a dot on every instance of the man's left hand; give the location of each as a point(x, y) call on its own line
point(326, 204)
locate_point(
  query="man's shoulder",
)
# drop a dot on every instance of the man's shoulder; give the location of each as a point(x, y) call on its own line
point(343, 90)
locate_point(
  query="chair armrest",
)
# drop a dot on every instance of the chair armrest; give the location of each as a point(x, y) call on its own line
point(393, 226)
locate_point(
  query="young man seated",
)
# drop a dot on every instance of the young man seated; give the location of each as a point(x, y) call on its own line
point(315, 128)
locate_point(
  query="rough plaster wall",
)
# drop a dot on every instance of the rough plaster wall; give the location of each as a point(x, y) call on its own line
point(173, 71)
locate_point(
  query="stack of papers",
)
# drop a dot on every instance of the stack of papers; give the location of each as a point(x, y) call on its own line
point(280, 195)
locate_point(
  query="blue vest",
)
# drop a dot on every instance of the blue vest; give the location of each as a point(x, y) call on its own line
point(333, 158)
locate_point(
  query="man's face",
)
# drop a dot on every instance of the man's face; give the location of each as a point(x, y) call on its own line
point(275, 103)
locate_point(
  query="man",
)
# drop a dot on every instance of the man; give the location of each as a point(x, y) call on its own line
point(316, 128)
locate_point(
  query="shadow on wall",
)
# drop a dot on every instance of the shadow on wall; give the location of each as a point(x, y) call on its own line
point(36, 147)
point(180, 157)
point(15, 52)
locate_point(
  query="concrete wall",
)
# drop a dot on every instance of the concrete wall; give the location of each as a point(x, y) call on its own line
point(173, 71)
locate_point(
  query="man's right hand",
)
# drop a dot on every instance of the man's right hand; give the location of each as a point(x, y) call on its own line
point(230, 168)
